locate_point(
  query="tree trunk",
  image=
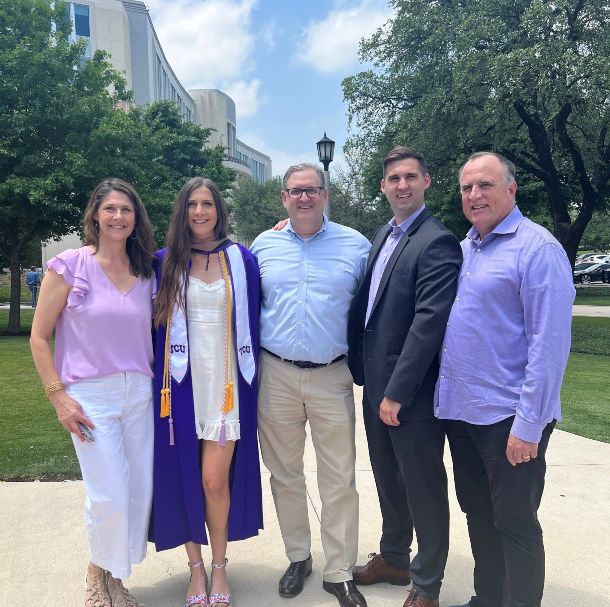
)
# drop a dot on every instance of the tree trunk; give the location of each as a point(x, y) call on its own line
point(14, 315)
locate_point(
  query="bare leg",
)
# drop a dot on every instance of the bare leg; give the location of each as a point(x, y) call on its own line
point(197, 585)
point(216, 461)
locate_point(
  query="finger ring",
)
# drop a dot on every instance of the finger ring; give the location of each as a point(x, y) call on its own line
point(526, 458)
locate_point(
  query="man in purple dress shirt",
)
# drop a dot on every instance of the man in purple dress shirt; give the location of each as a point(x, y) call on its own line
point(504, 354)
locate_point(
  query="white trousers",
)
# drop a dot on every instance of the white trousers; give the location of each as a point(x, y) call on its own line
point(288, 398)
point(117, 468)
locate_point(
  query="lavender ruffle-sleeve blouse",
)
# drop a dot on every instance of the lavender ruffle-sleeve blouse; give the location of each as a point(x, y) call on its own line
point(101, 331)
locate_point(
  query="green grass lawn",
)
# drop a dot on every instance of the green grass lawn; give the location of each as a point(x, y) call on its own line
point(26, 319)
point(592, 296)
point(5, 294)
point(585, 396)
point(33, 445)
point(591, 336)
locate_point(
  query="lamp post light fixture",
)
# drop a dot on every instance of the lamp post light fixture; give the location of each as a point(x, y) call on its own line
point(326, 150)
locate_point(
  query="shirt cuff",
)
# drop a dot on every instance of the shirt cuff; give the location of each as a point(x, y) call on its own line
point(527, 431)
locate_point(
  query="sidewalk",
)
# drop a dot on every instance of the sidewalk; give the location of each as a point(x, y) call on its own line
point(43, 550)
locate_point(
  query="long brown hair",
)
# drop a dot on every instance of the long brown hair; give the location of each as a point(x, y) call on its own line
point(179, 240)
point(141, 243)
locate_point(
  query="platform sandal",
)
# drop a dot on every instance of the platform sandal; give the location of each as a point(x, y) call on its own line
point(96, 594)
point(197, 600)
point(119, 595)
point(219, 599)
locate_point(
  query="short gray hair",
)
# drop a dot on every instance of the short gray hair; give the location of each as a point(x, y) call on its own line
point(510, 170)
point(305, 166)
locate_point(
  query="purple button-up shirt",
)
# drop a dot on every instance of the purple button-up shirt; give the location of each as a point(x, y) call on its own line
point(508, 337)
point(398, 231)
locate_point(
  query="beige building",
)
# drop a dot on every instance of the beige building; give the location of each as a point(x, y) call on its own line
point(125, 30)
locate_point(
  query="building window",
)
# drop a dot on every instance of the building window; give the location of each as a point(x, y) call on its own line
point(81, 20)
point(81, 30)
point(230, 139)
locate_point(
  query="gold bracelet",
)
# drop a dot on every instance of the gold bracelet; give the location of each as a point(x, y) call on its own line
point(56, 386)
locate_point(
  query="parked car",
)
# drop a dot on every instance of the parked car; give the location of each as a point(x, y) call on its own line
point(593, 258)
point(590, 272)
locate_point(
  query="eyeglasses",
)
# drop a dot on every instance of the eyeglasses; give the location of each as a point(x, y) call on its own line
point(298, 192)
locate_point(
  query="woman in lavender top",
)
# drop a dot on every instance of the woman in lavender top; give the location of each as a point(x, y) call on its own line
point(98, 299)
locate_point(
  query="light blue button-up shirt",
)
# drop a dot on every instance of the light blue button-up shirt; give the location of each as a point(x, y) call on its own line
point(508, 336)
point(398, 231)
point(307, 287)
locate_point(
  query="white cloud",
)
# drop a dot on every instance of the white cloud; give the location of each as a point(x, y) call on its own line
point(331, 45)
point(246, 96)
point(205, 41)
point(268, 35)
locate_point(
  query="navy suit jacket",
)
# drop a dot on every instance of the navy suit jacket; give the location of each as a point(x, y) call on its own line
point(396, 354)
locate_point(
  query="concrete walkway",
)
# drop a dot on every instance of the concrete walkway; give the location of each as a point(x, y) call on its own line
point(591, 311)
point(576, 310)
point(43, 548)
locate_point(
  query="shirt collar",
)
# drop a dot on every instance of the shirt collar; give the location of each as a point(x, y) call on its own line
point(401, 228)
point(508, 225)
point(289, 228)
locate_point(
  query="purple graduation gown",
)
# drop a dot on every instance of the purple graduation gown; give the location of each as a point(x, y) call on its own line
point(178, 511)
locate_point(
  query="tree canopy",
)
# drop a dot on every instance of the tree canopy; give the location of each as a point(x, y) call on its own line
point(155, 150)
point(529, 79)
point(62, 129)
point(255, 207)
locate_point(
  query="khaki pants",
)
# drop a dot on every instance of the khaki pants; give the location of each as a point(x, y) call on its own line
point(288, 398)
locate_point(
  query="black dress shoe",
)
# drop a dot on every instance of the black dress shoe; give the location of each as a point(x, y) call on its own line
point(293, 580)
point(346, 592)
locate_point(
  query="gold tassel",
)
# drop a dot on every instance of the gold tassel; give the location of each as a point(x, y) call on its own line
point(228, 405)
point(165, 402)
point(166, 396)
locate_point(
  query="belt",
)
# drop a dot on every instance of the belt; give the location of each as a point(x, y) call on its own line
point(305, 364)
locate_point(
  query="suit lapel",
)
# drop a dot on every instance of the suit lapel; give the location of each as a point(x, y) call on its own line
point(378, 242)
point(385, 277)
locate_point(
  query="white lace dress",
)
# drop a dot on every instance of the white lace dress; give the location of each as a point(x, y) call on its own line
point(206, 330)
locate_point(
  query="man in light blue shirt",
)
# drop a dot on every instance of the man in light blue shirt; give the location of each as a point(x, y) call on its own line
point(309, 272)
point(504, 355)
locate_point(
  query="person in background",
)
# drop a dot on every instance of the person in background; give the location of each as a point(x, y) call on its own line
point(505, 351)
point(33, 279)
point(98, 300)
point(206, 465)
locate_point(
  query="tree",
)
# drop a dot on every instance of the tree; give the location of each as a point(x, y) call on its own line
point(597, 234)
point(49, 107)
point(62, 129)
point(255, 207)
point(154, 149)
point(527, 78)
point(355, 197)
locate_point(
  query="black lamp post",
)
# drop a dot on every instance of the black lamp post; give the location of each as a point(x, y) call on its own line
point(326, 150)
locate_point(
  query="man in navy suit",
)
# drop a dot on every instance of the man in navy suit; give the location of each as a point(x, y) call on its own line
point(396, 325)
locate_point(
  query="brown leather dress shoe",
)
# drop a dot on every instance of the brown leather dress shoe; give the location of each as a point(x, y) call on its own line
point(378, 570)
point(416, 598)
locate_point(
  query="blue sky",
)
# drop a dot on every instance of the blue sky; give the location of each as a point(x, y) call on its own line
point(282, 61)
